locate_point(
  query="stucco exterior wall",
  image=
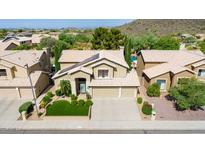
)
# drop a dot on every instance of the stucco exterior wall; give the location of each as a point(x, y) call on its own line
point(166, 76)
point(103, 66)
point(184, 74)
point(197, 70)
point(140, 65)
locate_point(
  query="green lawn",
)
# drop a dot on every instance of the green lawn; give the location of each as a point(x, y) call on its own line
point(65, 108)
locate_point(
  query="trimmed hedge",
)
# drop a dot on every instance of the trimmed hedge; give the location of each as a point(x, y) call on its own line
point(153, 90)
point(65, 108)
point(147, 108)
point(50, 94)
point(27, 106)
point(139, 100)
point(73, 97)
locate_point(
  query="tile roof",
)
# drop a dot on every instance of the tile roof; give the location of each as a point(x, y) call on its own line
point(23, 57)
point(172, 61)
point(114, 56)
point(199, 63)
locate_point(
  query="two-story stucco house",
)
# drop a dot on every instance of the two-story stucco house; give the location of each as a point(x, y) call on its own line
point(166, 67)
point(102, 73)
point(14, 81)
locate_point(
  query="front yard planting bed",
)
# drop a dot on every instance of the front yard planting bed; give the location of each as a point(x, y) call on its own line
point(66, 108)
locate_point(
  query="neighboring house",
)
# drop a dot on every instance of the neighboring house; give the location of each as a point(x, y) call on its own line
point(167, 67)
point(102, 73)
point(10, 42)
point(14, 81)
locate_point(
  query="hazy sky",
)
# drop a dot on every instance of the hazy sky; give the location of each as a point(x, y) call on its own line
point(61, 23)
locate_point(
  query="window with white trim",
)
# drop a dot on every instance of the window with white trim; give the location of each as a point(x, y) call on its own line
point(102, 73)
point(201, 73)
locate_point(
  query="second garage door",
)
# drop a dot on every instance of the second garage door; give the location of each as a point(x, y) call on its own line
point(105, 92)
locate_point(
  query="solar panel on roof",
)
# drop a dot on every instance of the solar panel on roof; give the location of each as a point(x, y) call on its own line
point(81, 63)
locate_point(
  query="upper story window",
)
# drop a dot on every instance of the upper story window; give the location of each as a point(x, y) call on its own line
point(3, 72)
point(201, 73)
point(102, 73)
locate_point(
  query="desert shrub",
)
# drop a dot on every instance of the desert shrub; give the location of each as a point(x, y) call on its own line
point(147, 108)
point(81, 102)
point(58, 92)
point(139, 100)
point(42, 104)
point(47, 99)
point(74, 97)
point(27, 106)
point(50, 94)
point(88, 103)
point(153, 90)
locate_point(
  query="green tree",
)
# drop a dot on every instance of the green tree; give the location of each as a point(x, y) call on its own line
point(127, 51)
point(189, 94)
point(167, 43)
point(202, 46)
point(147, 41)
point(65, 87)
point(153, 90)
point(82, 38)
point(70, 39)
point(47, 42)
point(104, 38)
point(59, 47)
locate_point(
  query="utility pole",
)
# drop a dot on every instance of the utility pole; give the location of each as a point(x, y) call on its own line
point(32, 88)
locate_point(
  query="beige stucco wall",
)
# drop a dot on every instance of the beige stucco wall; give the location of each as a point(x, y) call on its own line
point(9, 73)
point(140, 65)
point(166, 76)
point(197, 70)
point(105, 92)
point(66, 65)
point(119, 72)
point(103, 66)
point(184, 74)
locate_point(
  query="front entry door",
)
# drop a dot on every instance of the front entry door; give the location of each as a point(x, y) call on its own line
point(162, 84)
point(82, 85)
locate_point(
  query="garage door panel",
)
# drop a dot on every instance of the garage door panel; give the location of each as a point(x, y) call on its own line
point(105, 92)
point(128, 92)
point(8, 92)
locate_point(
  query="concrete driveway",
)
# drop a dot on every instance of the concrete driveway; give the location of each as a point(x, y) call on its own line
point(115, 109)
point(9, 108)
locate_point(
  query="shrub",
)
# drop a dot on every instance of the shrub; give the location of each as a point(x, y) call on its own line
point(153, 90)
point(42, 104)
point(88, 103)
point(139, 100)
point(74, 102)
point(81, 102)
point(74, 97)
point(47, 99)
point(27, 106)
point(147, 108)
point(58, 92)
point(50, 94)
